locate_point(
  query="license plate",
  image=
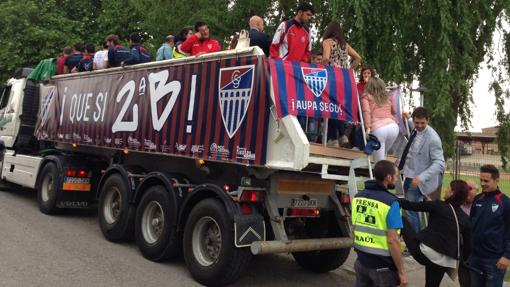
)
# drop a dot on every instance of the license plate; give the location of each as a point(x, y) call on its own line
point(76, 184)
point(301, 203)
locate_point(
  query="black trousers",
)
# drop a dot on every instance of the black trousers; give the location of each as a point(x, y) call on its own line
point(433, 272)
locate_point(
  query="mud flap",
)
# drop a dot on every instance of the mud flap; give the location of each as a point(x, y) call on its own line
point(249, 228)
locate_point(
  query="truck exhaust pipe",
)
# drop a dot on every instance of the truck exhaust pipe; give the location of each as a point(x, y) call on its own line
point(300, 245)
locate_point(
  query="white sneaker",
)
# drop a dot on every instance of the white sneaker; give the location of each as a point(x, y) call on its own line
point(333, 143)
point(344, 140)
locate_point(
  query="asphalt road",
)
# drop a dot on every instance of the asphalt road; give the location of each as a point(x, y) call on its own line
point(69, 250)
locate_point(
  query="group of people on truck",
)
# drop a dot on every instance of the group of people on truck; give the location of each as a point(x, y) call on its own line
point(84, 58)
point(291, 42)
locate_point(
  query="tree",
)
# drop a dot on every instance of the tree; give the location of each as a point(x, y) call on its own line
point(439, 43)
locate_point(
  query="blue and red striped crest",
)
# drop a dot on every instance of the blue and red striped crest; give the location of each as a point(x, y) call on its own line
point(236, 85)
point(316, 79)
point(314, 90)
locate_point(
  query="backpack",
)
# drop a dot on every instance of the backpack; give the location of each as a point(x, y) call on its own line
point(140, 54)
point(117, 55)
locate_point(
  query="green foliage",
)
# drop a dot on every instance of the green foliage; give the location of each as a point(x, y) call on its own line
point(439, 43)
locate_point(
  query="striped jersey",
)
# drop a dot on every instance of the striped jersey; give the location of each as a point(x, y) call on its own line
point(292, 42)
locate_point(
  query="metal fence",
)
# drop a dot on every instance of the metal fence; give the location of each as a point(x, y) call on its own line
point(469, 157)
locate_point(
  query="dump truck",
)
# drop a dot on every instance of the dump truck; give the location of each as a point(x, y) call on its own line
point(201, 157)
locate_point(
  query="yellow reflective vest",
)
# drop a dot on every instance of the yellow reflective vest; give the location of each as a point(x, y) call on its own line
point(369, 212)
point(176, 54)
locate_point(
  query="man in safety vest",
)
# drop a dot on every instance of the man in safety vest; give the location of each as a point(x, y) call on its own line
point(377, 220)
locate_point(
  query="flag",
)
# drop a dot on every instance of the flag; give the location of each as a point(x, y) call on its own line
point(315, 91)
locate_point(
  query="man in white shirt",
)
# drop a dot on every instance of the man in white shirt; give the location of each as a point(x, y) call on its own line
point(101, 57)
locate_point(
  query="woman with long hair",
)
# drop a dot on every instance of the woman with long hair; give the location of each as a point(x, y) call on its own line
point(336, 52)
point(377, 107)
point(437, 246)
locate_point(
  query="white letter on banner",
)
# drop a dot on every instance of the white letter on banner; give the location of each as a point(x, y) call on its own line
point(87, 107)
point(97, 113)
point(72, 109)
point(62, 107)
point(159, 90)
point(120, 125)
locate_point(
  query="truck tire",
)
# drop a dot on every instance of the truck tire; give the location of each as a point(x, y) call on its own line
point(209, 250)
point(155, 225)
point(323, 260)
point(48, 189)
point(116, 215)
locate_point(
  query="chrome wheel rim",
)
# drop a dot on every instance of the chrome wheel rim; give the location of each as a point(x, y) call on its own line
point(46, 187)
point(206, 241)
point(153, 222)
point(113, 205)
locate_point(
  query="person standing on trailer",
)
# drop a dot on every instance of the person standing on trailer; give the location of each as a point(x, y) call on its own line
point(292, 40)
point(139, 54)
point(257, 35)
point(377, 107)
point(165, 52)
point(72, 60)
point(336, 52)
point(200, 42)
point(116, 53)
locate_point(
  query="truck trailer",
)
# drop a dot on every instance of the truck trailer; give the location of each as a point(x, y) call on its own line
point(203, 157)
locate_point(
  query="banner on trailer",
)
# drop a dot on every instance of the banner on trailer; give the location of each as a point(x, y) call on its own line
point(217, 110)
point(316, 91)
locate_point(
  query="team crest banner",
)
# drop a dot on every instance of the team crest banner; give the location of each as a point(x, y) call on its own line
point(236, 85)
point(315, 91)
point(214, 110)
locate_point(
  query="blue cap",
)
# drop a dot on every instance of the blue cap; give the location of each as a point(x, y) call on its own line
point(372, 144)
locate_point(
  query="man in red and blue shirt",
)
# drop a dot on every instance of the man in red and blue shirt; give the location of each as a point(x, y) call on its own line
point(62, 59)
point(72, 60)
point(116, 53)
point(139, 54)
point(86, 64)
point(292, 39)
point(490, 219)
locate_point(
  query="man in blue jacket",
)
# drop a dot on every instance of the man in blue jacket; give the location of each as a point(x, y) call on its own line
point(257, 36)
point(138, 52)
point(490, 217)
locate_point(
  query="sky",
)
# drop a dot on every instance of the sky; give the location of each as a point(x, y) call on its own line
point(483, 107)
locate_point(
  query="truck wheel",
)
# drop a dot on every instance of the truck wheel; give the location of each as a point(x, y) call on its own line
point(209, 250)
point(48, 189)
point(155, 225)
point(116, 215)
point(323, 260)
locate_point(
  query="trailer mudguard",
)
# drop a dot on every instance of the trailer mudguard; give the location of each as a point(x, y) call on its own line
point(158, 178)
point(126, 172)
